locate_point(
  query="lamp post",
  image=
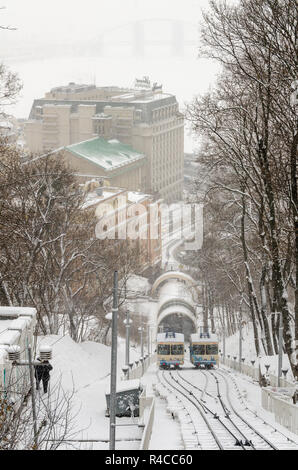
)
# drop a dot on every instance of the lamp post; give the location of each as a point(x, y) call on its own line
point(224, 341)
point(141, 329)
point(127, 323)
point(240, 341)
point(14, 354)
point(148, 340)
point(280, 348)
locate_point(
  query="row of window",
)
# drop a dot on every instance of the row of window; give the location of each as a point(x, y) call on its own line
point(165, 112)
point(201, 349)
point(170, 349)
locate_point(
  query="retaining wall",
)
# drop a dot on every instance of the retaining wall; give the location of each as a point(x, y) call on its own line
point(137, 372)
point(17, 327)
point(285, 412)
point(148, 417)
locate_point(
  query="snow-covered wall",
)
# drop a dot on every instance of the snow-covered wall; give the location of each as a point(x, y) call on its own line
point(17, 326)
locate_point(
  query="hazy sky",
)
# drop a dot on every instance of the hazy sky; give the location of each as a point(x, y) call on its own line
point(45, 48)
point(56, 20)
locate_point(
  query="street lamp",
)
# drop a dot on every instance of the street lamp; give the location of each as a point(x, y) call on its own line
point(127, 322)
point(151, 328)
point(280, 347)
point(141, 329)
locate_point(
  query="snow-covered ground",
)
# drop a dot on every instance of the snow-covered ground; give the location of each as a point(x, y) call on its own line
point(249, 353)
point(84, 371)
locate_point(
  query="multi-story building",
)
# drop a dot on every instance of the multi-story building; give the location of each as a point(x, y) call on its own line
point(147, 119)
point(127, 215)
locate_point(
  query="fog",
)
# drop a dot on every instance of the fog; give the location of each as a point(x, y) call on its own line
point(107, 42)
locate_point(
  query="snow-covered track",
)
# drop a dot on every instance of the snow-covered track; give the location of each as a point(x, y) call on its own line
point(240, 441)
point(265, 433)
point(251, 435)
point(210, 427)
point(205, 434)
point(178, 409)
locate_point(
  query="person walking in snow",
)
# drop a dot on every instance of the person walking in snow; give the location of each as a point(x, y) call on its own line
point(42, 372)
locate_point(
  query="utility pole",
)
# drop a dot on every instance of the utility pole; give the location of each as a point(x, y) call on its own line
point(113, 382)
point(280, 347)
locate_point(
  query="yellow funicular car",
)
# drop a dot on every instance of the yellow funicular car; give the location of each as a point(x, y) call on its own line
point(170, 350)
point(203, 350)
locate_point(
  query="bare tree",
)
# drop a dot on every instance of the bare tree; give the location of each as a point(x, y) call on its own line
point(251, 127)
point(55, 413)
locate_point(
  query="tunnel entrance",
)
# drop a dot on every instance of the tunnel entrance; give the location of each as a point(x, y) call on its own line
point(179, 324)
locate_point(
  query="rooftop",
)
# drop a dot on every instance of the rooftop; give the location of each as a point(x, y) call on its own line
point(108, 154)
point(93, 198)
point(169, 337)
point(196, 338)
point(73, 88)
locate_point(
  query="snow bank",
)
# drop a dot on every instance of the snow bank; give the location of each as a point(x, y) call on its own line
point(84, 368)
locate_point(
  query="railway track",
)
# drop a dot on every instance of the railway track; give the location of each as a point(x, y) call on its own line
point(216, 422)
point(265, 431)
point(182, 411)
point(212, 432)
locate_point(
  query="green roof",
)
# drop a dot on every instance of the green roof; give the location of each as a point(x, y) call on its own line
point(108, 154)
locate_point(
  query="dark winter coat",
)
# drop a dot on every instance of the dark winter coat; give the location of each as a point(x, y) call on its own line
point(42, 372)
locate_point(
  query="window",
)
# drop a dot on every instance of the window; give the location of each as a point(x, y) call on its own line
point(211, 349)
point(177, 349)
point(198, 349)
point(163, 349)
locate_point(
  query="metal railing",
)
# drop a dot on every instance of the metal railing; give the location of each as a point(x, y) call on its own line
point(137, 371)
point(254, 373)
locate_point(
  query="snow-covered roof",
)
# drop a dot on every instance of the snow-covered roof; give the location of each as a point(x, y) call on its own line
point(3, 353)
point(135, 196)
point(15, 312)
point(93, 198)
point(125, 385)
point(19, 324)
point(9, 337)
point(196, 338)
point(169, 338)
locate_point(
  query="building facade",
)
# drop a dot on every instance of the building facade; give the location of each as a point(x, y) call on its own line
point(127, 215)
point(146, 119)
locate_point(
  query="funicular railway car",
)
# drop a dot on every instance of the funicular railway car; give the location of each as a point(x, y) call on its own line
point(203, 350)
point(170, 350)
